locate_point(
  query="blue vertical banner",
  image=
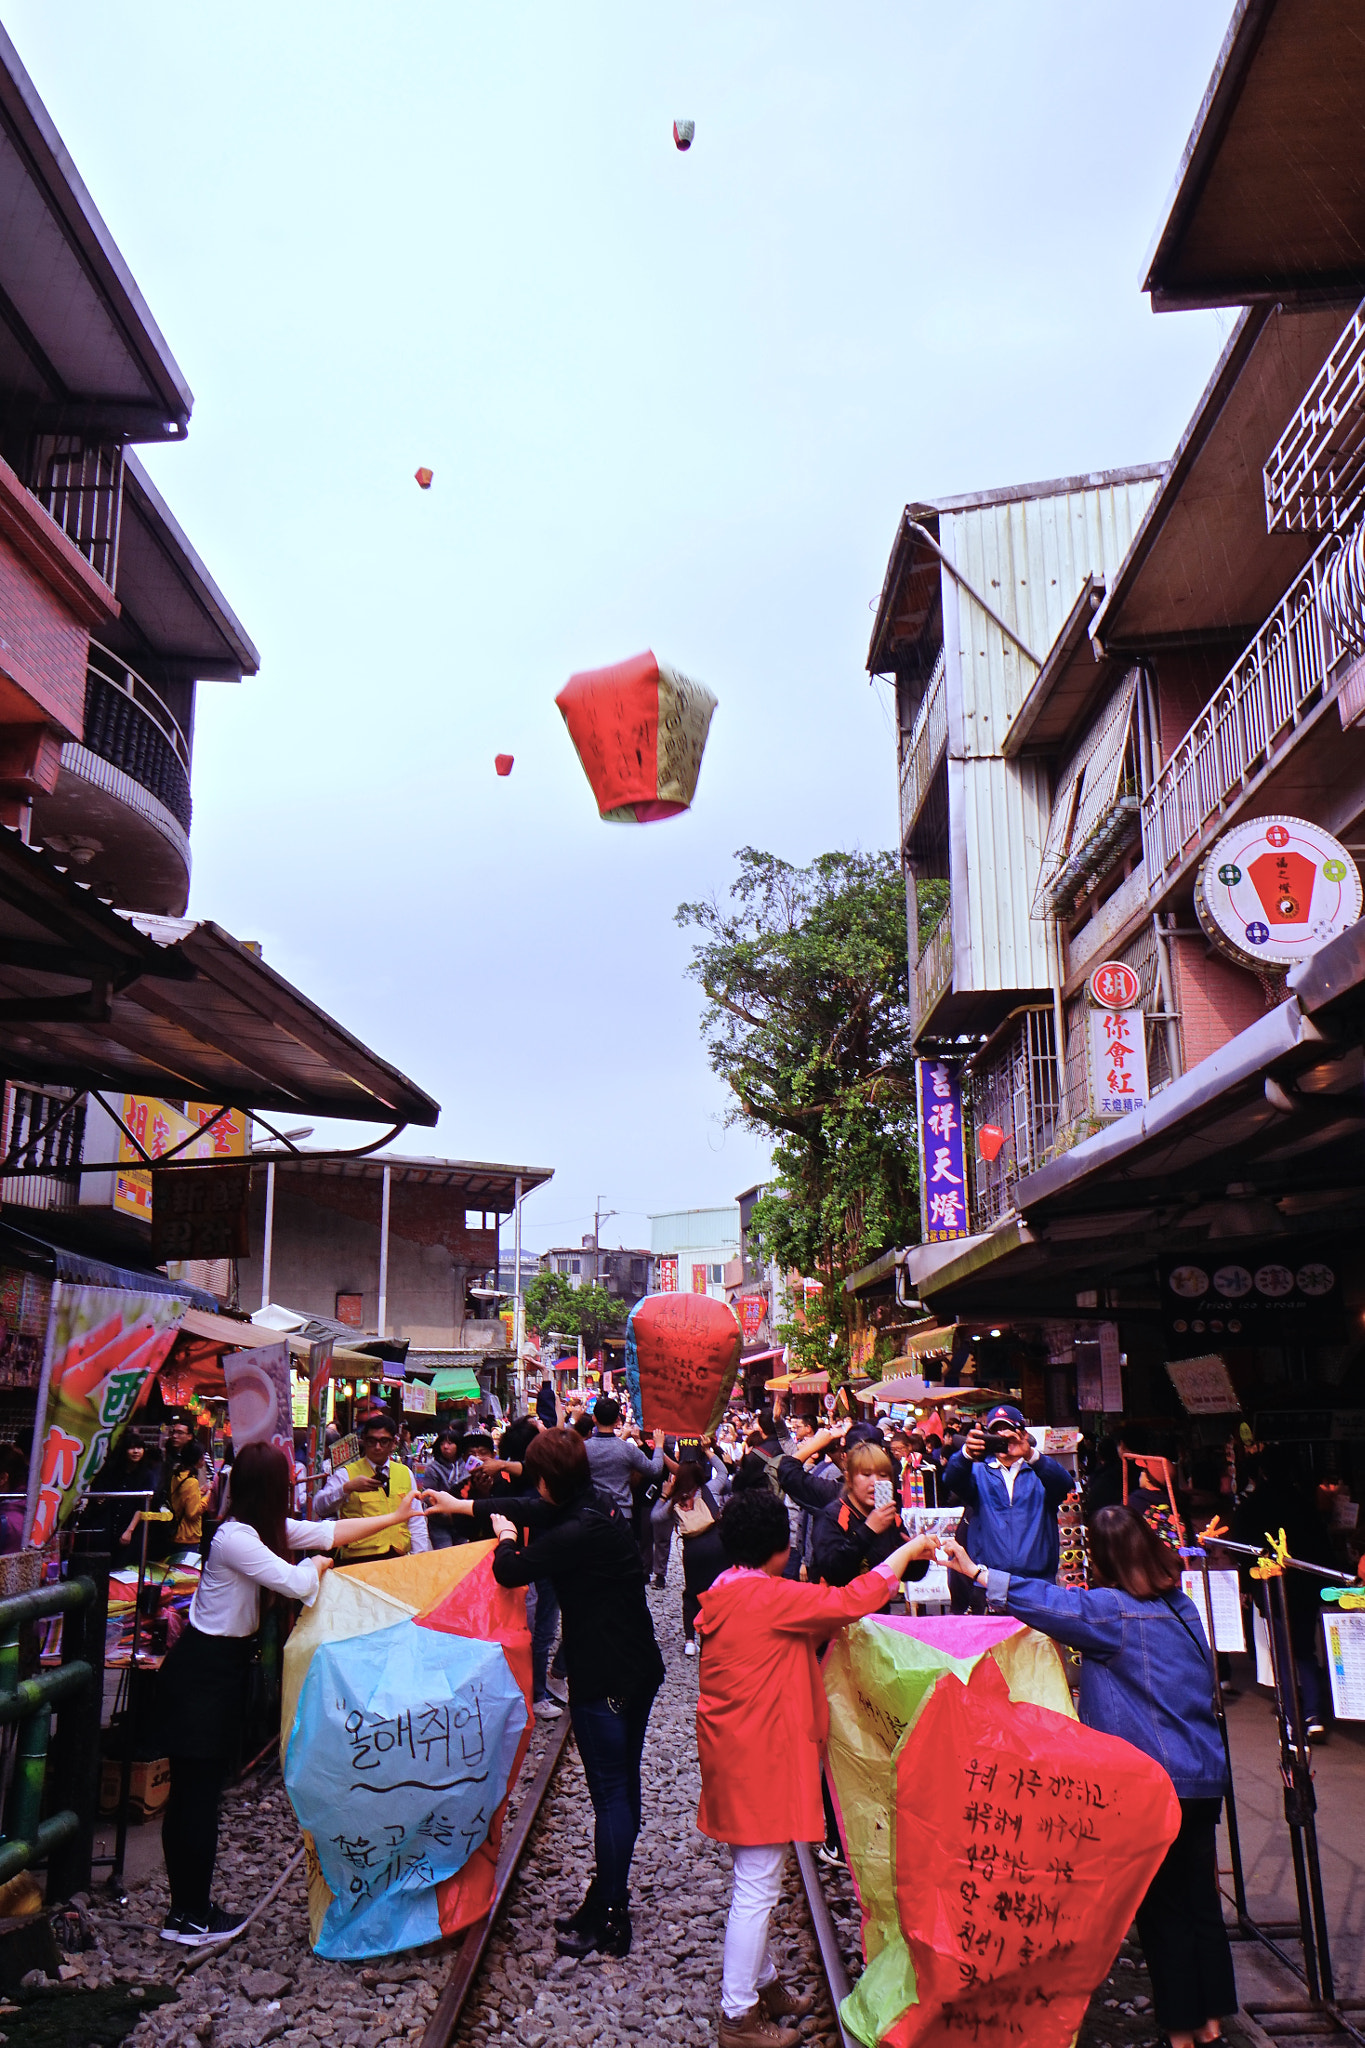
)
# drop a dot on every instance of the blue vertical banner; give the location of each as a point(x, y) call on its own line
point(944, 1208)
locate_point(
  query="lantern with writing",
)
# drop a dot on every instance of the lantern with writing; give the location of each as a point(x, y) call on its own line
point(503, 763)
point(683, 132)
point(682, 1353)
point(424, 477)
point(640, 729)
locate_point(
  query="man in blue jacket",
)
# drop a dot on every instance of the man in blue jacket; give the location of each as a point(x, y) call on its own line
point(1011, 1496)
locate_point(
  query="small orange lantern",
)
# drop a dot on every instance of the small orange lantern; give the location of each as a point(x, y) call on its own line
point(424, 477)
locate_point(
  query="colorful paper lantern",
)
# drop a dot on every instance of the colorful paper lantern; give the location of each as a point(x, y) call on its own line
point(998, 1847)
point(503, 763)
point(682, 1353)
point(683, 132)
point(989, 1139)
point(424, 477)
point(640, 729)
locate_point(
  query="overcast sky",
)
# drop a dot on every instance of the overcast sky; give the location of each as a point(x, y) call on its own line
point(673, 401)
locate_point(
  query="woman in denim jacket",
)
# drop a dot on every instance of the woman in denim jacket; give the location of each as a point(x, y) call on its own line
point(1146, 1677)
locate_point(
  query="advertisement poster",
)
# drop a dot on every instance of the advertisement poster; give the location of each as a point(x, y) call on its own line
point(158, 1126)
point(1225, 1597)
point(942, 1152)
point(666, 1274)
point(260, 1407)
point(753, 1310)
point(1204, 1385)
point(106, 1344)
point(1345, 1635)
point(1118, 1061)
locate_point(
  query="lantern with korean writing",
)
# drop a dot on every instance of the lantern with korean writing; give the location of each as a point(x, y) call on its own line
point(683, 132)
point(640, 729)
point(682, 1353)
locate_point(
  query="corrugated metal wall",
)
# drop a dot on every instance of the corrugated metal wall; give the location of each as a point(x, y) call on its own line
point(1028, 558)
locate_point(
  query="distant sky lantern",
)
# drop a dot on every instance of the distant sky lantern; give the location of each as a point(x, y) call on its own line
point(683, 131)
point(682, 1353)
point(640, 729)
point(424, 477)
point(503, 763)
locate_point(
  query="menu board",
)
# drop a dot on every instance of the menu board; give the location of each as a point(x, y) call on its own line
point(1346, 1662)
point(1225, 1595)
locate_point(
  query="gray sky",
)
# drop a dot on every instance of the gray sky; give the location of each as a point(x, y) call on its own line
point(671, 401)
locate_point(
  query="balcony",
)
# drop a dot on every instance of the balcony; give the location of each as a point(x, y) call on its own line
point(924, 749)
point(1251, 720)
point(1015, 1085)
point(44, 1132)
point(81, 487)
point(933, 971)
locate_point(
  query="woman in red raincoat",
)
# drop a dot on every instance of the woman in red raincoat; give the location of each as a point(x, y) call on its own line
point(762, 1721)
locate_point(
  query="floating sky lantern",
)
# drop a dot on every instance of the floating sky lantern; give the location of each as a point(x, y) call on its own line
point(989, 1139)
point(683, 131)
point(640, 729)
point(682, 1353)
point(503, 763)
point(424, 477)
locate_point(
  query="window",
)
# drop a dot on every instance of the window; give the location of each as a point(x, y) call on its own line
point(716, 1274)
point(473, 1219)
point(575, 1265)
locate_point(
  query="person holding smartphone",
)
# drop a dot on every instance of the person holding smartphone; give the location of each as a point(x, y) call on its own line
point(861, 1526)
point(1011, 1494)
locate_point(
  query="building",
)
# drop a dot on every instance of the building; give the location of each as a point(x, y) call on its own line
point(691, 1249)
point(624, 1273)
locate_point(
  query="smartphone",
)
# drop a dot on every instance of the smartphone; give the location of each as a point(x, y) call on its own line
point(884, 1494)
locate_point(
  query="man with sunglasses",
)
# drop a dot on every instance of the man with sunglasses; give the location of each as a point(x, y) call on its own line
point(373, 1484)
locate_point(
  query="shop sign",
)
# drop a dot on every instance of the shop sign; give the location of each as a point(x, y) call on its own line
point(1311, 1426)
point(260, 1404)
point(200, 1212)
point(1114, 985)
point(419, 1399)
point(1272, 890)
point(753, 1310)
point(1204, 1385)
point(1270, 1296)
point(158, 1126)
point(944, 1211)
point(666, 1274)
point(1118, 1061)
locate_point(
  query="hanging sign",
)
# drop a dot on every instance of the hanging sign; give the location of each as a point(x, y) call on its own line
point(1272, 890)
point(200, 1212)
point(944, 1208)
point(260, 1405)
point(1114, 985)
point(1273, 1296)
point(159, 1125)
point(753, 1309)
point(666, 1274)
point(1118, 1061)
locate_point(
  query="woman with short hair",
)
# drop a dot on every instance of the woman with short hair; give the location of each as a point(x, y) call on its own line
point(852, 1534)
point(1146, 1677)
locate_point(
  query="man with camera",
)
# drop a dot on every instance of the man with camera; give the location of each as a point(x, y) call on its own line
point(1011, 1494)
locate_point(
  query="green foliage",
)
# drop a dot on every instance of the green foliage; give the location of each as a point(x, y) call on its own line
point(806, 973)
point(589, 1312)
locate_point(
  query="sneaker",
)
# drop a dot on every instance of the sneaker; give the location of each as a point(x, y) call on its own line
point(173, 1927)
point(690, 1647)
point(219, 1926)
point(546, 1710)
point(780, 2002)
point(831, 1854)
point(560, 1699)
point(1316, 1732)
point(755, 2030)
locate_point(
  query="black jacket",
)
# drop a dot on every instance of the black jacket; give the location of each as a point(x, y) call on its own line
point(799, 1483)
point(589, 1554)
point(843, 1547)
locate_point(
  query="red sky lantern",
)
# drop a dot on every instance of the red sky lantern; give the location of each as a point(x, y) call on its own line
point(682, 1353)
point(503, 763)
point(640, 729)
point(989, 1139)
point(683, 131)
point(424, 477)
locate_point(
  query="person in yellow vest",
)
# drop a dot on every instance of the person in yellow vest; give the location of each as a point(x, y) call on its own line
point(373, 1484)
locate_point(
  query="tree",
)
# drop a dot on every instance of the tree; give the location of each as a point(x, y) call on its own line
point(806, 973)
point(589, 1312)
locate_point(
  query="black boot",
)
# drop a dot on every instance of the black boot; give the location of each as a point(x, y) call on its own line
point(613, 1937)
point(580, 1921)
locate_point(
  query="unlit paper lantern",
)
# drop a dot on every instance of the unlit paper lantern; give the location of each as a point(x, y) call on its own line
point(682, 1353)
point(503, 763)
point(683, 131)
point(424, 477)
point(640, 729)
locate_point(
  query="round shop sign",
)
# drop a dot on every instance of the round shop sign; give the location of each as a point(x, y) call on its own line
point(1272, 890)
point(1114, 985)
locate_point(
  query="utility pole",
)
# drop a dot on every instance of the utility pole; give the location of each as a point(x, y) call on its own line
point(599, 1217)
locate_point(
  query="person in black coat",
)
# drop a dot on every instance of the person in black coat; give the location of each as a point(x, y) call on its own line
point(850, 1533)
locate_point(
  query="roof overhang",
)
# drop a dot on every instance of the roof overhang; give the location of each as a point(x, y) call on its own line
point(171, 603)
point(1066, 687)
point(911, 595)
point(1269, 199)
point(475, 1183)
point(1202, 569)
point(92, 999)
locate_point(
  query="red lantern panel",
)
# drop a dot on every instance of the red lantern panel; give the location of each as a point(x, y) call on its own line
point(640, 730)
point(503, 763)
point(682, 1353)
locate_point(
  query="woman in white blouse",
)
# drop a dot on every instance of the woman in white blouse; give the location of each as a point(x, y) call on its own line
point(201, 1685)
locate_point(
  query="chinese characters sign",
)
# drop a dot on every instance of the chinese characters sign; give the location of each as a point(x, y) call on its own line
point(666, 1273)
point(158, 1126)
point(1114, 985)
point(944, 1208)
point(1118, 1061)
point(1282, 1294)
point(1272, 890)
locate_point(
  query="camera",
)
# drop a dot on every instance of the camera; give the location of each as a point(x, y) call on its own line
point(996, 1441)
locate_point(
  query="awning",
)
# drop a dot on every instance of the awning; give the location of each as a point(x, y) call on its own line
point(929, 1343)
point(222, 1330)
point(798, 1383)
point(55, 1262)
point(457, 1383)
point(168, 1007)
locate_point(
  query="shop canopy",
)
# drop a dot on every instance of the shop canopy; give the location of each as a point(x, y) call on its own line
point(457, 1383)
point(909, 1389)
point(169, 1007)
point(797, 1383)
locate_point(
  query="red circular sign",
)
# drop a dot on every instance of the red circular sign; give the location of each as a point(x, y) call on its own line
point(1115, 986)
point(1277, 835)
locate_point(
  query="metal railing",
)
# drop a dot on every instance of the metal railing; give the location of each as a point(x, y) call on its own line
point(1017, 1087)
point(925, 748)
point(1315, 474)
point(934, 968)
point(1249, 721)
point(42, 1147)
point(81, 487)
point(128, 725)
point(29, 1702)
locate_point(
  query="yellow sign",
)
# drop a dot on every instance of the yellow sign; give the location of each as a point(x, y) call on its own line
point(159, 1127)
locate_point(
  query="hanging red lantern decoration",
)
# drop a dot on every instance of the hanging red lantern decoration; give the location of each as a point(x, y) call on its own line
point(989, 1139)
point(640, 729)
point(424, 477)
point(503, 763)
point(682, 1354)
point(683, 132)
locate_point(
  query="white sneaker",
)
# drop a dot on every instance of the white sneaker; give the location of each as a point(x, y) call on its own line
point(689, 1648)
point(546, 1710)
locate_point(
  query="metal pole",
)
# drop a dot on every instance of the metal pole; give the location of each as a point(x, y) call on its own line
point(1298, 1782)
point(126, 1771)
point(384, 1252)
point(35, 1461)
point(519, 1375)
point(269, 1244)
point(1239, 1890)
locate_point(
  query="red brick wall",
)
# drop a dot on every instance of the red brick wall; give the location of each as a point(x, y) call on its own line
point(1185, 681)
point(1216, 999)
point(42, 651)
point(418, 1212)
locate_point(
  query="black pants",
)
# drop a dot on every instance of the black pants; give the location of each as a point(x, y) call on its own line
point(611, 1737)
point(189, 1832)
point(1180, 1926)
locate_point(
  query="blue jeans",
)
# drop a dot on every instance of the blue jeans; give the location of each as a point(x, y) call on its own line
point(544, 1604)
point(611, 1737)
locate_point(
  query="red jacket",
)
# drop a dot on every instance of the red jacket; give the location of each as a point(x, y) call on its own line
point(762, 1716)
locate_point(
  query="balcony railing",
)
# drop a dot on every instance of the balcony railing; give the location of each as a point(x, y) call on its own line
point(1316, 472)
point(934, 968)
point(81, 486)
point(924, 749)
point(1251, 718)
point(128, 725)
point(45, 1132)
point(1017, 1087)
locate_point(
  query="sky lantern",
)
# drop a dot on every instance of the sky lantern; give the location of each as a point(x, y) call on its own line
point(682, 1353)
point(989, 1139)
point(683, 131)
point(424, 477)
point(503, 763)
point(640, 729)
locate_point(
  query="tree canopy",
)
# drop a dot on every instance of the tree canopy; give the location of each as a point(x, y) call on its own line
point(589, 1312)
point(806, 974)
